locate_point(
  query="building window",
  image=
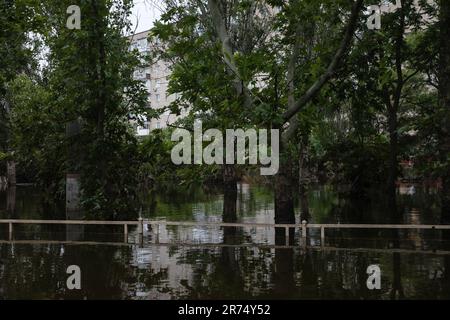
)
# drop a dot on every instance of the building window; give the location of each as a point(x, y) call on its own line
point(133, 46)
point(139, 74)
point(142, 44)
point(158, 125)
point(158, 98)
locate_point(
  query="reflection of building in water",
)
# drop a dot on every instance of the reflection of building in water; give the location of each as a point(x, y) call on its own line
point(190, 234)
point(178, 271)
point(406, 189)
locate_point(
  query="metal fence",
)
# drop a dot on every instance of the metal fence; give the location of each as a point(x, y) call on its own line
point(156, 224)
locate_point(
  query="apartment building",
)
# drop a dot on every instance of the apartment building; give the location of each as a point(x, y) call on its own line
point(156, 79)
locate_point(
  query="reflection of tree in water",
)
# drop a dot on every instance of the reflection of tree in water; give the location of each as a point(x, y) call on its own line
point(290, 273)
point(351, 210)
point(445, 218)
point(446, 277)
point(29, 272)
point(336, 272)
point(228, 272)
point(40, 272)
point(397, 288)
point(283, 274)
point(228, 261)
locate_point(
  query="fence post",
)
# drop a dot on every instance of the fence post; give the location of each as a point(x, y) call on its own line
point(304, 223)
point(286, 232)
point(10, 231)
point(141, 231)
point(157, 233)
point(140, 226)
point(125, 232)
point(303, 241)
point(322, 236)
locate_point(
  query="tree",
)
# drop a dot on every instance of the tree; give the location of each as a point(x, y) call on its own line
point(266, 59)
point(17, 19)
point(91, 75)
point(213, 92)
point(32, 118)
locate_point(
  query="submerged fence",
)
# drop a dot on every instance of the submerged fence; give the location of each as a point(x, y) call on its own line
point(139, 224)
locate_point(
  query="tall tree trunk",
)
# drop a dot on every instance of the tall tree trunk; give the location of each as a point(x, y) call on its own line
point(229, 177)
point(393, 105)
point(303, 182)
point(229, 203)
point(393, 159)
point(444, 103)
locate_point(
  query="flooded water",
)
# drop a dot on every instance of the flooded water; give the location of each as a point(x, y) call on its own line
point(213, 263)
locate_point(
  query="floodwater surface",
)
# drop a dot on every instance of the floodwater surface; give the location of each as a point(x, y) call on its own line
point(231, 263)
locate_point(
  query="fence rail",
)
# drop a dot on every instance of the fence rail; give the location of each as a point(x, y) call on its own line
point(157, 223)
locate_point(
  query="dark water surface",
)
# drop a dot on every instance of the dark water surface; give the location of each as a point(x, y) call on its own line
point(235, 264)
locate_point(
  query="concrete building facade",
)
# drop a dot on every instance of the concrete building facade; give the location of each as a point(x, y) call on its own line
point(156, 79)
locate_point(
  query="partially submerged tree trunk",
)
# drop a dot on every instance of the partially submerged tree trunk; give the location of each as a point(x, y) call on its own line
point(229, 201)
point(393, 158)
point(284, 201)
point(229, 205)
point(229, 177)
point(303, 182)
point(11, 172)
point(284, 204)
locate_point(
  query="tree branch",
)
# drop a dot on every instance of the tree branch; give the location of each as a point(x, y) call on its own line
point(227, 50)
point(334, 64)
